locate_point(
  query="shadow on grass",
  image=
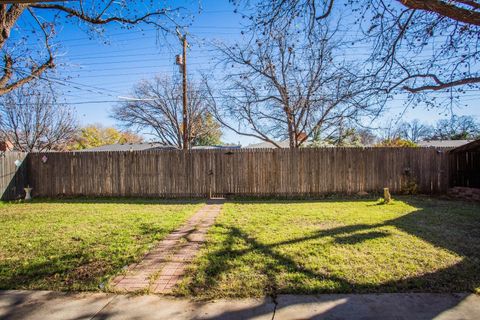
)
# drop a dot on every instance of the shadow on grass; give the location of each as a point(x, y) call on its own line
point(458, 232)
point(81, 269)
point(87, 257)
point(361, 237)
point(63, 272)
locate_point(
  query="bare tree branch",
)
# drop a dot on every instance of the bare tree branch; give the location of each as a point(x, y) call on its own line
point(101, 12)
point(447, 9)
point(401, 33)
point(439, 85)
point(99, 19)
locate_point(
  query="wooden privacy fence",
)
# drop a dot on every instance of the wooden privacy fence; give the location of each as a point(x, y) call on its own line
point(246, 172)
point(465, 168)
point(13, 175)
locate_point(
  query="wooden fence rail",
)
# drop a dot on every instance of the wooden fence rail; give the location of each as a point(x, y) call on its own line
point(262, 172)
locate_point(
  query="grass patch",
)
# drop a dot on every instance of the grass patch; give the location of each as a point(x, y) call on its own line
point(350, 246)
point(78, 244)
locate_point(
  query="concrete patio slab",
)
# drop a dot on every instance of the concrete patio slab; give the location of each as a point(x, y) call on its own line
point(398, 306)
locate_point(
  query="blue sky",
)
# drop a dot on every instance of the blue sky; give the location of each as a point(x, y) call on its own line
point(103, 72)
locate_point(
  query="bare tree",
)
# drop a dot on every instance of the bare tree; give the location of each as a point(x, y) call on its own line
point(422, 47)
point(274, 15)
point(346, 137)
point(32, 120)
point(23, 62)
point(456, 128)
point(288, 86)
point(280, 12)
point(389, 130)
point(157, 107)
point(414, 130)
point(418, 46)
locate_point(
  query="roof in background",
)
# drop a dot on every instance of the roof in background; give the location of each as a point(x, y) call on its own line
point(130, 147)
point(443, 143)
point(467, 147)
point(148, 146)
point(215, 147)
point(267, 145)
point(426, 143)
point(282, 144)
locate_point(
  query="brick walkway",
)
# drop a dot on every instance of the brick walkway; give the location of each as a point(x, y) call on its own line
point(164, 266)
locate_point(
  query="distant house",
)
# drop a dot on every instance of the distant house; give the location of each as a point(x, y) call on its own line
point(282, 144)
point(150, 146)
point(427, 143)
point(6, 145)
point(269, 145)
point(228, 147)
point(443, 143)
point(142, 146)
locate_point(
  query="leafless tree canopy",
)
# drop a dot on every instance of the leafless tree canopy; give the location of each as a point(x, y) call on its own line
point(268, 16)
point(414, 131)
point(32, 120)
point(419, 46)
point(159, 110)
point(453, 128)
point(24, 62)
point(422, 46)
point(456, 128)
point(288, 86)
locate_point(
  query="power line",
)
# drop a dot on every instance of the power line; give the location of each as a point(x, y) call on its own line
point(133, 61)
point(178, 100)
point(150, 73)
point(130, 68)
point(72, 83)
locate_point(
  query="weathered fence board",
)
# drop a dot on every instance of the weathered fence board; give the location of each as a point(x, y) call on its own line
point(465, 169)
point(265, 172)
point(13, 177)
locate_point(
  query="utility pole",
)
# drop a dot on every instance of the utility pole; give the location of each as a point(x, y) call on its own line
point(183, 64)
point(184, 69)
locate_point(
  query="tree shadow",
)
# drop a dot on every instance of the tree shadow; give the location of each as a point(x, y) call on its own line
point(51, 305)
point(79, 269)
point(361, 237)
point(457, 232)
point(63, 273)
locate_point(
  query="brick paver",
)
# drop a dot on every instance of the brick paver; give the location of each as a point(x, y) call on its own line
point(164, 266)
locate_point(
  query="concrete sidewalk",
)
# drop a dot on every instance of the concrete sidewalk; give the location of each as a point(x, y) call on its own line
point(55, 305)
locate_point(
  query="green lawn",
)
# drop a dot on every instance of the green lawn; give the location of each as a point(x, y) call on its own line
point(78, 244)
point(339, 246)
